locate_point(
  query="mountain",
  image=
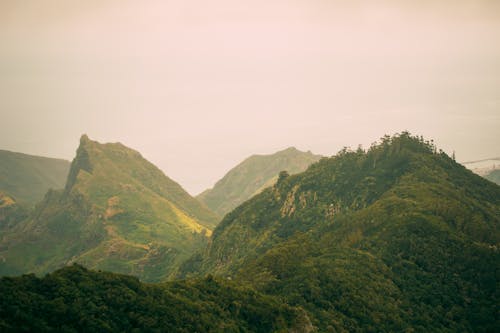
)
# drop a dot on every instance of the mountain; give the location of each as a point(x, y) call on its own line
point(10, 212)
point(493, 176)
point(117, 212)
point(75, 299)
point(27, 178)
point(396, 238)
point(253, 175)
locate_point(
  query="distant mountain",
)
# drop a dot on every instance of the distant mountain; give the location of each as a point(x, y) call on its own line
point(484, 166)
point(116, 212)
point(253, 175)
point(27, 178)
point(493, 176)
point(74, 299)
point(400, 238)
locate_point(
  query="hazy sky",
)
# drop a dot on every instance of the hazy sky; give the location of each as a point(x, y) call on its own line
point(196, 86)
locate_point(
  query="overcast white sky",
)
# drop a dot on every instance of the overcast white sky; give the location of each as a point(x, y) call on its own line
point(197, 86)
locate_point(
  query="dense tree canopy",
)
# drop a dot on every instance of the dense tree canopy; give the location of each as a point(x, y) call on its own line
point(399, 237)
point(75, 299)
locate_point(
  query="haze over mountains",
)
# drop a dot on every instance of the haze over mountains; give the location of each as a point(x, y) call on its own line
point(118, 212)
point(396, 238)
point(185, 82)
point(390, 234)
point(252, 176)
point(27, 178)
point(493, 176)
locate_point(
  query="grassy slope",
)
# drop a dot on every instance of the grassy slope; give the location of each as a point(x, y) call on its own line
point(251, 176)
point(27, 178)
point(118, 212)
point(398, 238)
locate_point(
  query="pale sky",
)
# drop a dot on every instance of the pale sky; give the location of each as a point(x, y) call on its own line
point(197, 86)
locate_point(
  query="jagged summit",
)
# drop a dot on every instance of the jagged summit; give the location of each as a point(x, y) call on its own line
point(117, 212)
point(80, 162)
point(84, 138)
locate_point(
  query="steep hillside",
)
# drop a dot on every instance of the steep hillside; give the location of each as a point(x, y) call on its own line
point(77, 300)
point(398, 238)
point(117, 212)
point(253, 175)
point(27, 178)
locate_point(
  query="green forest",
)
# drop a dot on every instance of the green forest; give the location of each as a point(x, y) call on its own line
point(75, 299)
point(395, 238)
point(399, 237)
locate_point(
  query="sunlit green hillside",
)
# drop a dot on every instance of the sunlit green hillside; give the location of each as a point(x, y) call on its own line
point(117, 212)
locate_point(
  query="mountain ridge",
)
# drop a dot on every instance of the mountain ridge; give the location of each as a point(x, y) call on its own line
point(117, 212)
point(253, 175)
point(28, 177)
point(396, 238)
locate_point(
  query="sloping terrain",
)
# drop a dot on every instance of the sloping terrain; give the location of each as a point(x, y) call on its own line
point(10, 212)
point(398, 238)
point(252, 176)
point(117, 212)
point(27, 178)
